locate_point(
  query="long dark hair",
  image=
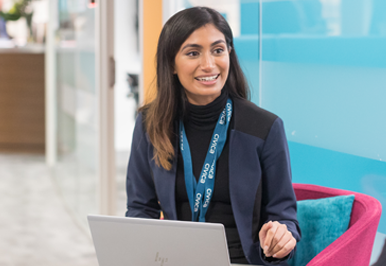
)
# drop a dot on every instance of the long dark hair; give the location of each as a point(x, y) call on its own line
point(160, 114)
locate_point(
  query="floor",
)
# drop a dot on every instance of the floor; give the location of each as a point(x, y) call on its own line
point(35, 226)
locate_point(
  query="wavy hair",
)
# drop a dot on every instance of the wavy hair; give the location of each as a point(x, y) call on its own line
point(169, 103)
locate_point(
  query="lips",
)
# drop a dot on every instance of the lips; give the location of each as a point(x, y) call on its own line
point(208, 78)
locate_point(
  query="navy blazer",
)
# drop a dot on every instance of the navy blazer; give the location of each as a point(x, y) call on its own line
point(259, 178)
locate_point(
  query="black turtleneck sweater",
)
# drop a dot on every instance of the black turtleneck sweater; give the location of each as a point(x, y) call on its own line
point(199, 122)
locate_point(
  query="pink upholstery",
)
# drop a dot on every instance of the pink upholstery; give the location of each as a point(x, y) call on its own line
point(354, 247)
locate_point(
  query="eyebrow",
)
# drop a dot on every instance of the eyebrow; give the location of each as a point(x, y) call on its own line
point(199, 46)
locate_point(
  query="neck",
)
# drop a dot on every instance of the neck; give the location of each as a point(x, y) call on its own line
point(202, 100)
point(205, 117)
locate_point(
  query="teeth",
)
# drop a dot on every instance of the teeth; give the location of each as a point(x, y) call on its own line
point(208, 78)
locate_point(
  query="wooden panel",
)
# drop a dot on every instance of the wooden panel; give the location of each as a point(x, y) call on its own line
point(22, 102)
point(152, 26)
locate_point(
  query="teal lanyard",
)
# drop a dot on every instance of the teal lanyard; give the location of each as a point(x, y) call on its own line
point(200, 194)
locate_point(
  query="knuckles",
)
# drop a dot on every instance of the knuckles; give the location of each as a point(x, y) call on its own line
point(276, 238)
point(280, 246)
point(283, 226)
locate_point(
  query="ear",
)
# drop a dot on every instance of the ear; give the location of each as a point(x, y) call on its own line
point(229, 49)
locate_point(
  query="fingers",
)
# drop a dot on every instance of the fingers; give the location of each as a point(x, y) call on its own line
point(286, 249)
point(279, 238)
point(263, 232)
point(276, 240)
point(283, 246)
point(269, 241)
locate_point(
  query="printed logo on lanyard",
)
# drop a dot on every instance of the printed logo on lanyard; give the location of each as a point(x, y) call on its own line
point(201, 192)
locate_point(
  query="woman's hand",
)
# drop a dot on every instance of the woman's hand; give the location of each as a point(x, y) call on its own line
point(275, 240)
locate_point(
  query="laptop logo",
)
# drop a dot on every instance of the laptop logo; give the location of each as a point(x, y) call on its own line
point(161, 260)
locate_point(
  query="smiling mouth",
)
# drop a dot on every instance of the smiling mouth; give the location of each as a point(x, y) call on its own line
point(208, 78)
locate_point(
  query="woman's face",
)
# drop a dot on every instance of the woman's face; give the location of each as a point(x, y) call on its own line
point(202, 64)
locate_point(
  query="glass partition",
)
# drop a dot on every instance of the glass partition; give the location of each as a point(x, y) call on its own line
point(128, 69)
point(76, 169)
point(324, 72)
point(321, 66)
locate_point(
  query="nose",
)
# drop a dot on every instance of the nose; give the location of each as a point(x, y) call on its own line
point(207, 62)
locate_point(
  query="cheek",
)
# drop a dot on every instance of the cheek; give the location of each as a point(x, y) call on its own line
point(225, 65)
point(185, 71)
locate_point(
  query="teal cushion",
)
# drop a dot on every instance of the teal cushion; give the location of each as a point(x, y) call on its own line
point(321, 222)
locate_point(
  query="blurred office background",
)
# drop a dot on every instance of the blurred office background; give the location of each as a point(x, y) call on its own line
point(65, 125)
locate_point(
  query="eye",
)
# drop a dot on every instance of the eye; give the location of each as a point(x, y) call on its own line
point(192, 54)
point(218, 50)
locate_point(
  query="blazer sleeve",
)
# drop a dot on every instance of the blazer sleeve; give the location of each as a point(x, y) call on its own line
point(279, 200)
point(141, 195)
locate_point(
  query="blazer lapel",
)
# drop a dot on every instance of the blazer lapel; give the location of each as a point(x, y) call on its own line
point(244, 180)
point(165, 186)
point(165, 182)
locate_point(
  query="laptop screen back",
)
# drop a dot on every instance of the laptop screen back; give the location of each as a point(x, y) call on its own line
point(121, 241)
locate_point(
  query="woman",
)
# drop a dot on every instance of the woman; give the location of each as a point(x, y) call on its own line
point(202, 152)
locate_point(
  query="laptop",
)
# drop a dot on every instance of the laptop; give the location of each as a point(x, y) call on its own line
point(122, 241)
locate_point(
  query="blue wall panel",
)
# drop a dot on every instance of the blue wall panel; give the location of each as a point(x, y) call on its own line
point(322, 68)
point(324, 72)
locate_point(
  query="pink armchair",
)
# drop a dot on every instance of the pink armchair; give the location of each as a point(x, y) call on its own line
point(354, 247)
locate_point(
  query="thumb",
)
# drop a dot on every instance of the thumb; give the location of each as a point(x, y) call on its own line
point(263, 232)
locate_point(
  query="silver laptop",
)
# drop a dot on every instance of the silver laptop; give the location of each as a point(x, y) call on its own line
point(122, 241)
